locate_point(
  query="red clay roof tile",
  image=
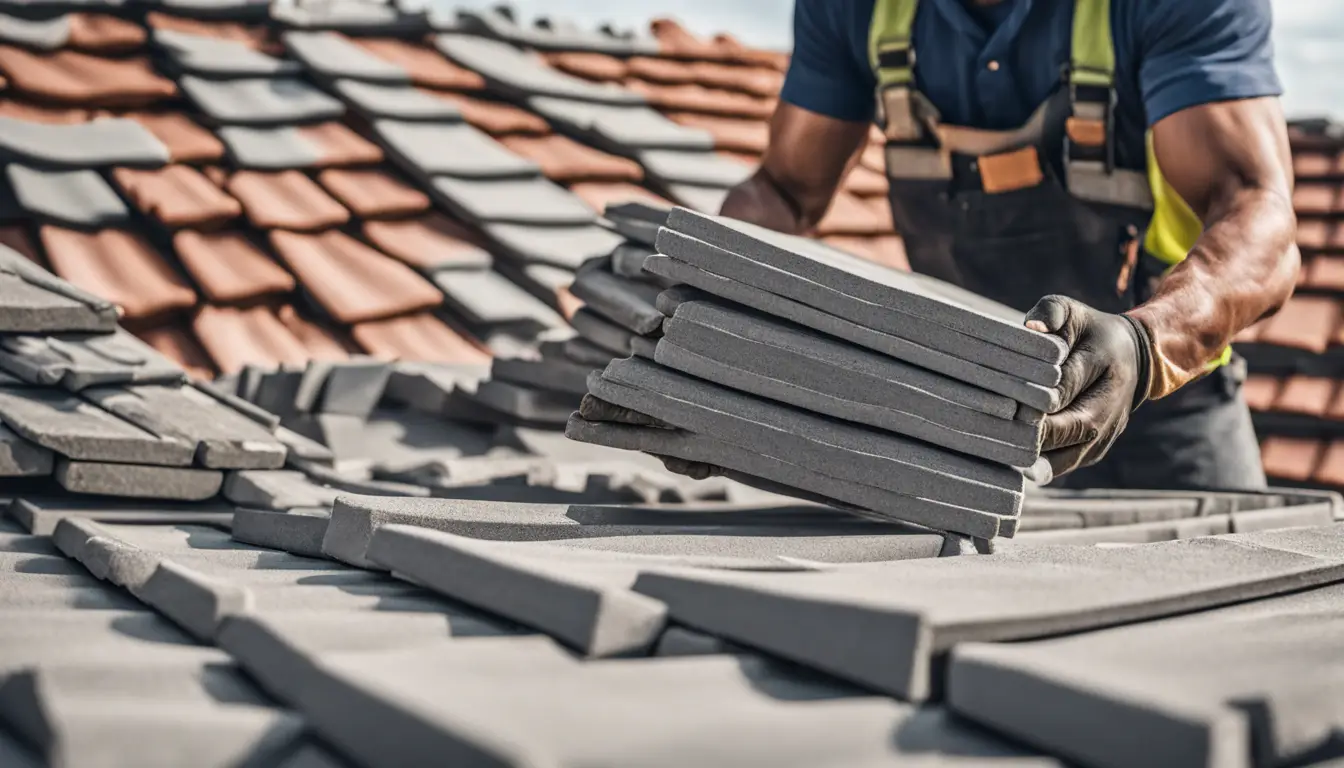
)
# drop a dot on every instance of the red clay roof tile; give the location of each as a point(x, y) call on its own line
point(874, 158)
point(1313, 234)
point(849, 215)
point(426, 242)
point(1261, 391)
point(751, 159)
point(426, 66)
point(697, 98)
point(590, 66)
point(320, 342)
point(1330, 469)
point(339, 145)
point(728, 132)
point(38, 113)
point(71, 77)
point(865, 183)
point(256, 37)
point(353, 282)
point(888, 250)
point(178, 196)
point(1308, 395)
point(372, 193)
point(1325, 273)
point(777, 60)
point(285, 200)
point(16, 236)
point(417, 337)
point(676, 41)
point(1336, 409)
point(565, 160)
point(179, 345)
point(1306, 322)
point(229, 267)
point(235, 338)
point(119, 266)
point(1315, 198)
point(100, 33)
point(1290, 458)
point(495, 117)
point(1310, 165)
point(659, 70)
point(598, 195)
point(187, 142)
point(757, 81)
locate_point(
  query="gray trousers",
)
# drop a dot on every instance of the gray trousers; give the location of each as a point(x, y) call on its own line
point(1198, 438)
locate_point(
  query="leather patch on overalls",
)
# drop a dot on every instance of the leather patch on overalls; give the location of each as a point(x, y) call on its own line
point(1086, 133)
point(1008, 171)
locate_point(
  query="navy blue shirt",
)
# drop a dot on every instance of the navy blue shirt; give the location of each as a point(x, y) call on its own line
point(1169, 55)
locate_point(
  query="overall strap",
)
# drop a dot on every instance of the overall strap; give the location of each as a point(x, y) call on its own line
point(891, 51)
point(1089, 155)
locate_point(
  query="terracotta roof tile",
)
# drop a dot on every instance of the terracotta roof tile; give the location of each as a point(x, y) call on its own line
point(177, 196)
point(888, 250)
point(1308, 395)
point(37, 113)
point(495, 117)
point(697, 98)
point(849, 215)
point(100, 33)
point(864, 182)
point(660, 70)
point(565, 160)
point(1249, 335)
point(321, 342)
point(598, 195)
point(1315, 198)
point(352, 281)
point(1306, 322)
point(1325, 273)
point(16, 236)
point(235, 338)
point(1313, 234)
point(1290, 458)
point(339, 145)
point(1336, 409)
point(426, 66)
point(751, 159)
point(874, 158)
point(757, 81)
point(1330, 470)
point(417, 337)
point(285, 200)
point(1309, 165)
point(729, 133)
point(372, 193)
point(71, 77)
point(674, 40)
point(427, 242)
point(1261, 391)
point(187, 142)
point(229, 267)
point(255, 37)
point(119, 266)
point(777, 60)
point(179, 345)
point(591, 66)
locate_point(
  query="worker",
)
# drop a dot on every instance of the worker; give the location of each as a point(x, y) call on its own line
point(1127, 160)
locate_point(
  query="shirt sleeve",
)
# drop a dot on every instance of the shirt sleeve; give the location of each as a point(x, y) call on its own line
point(1202, 51)
point(828, 72)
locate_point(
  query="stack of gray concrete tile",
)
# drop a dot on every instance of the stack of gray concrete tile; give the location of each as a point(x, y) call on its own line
point(789, 361)
point(101, 412)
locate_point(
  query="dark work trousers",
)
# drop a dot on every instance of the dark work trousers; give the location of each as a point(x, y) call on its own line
point(1198, 438)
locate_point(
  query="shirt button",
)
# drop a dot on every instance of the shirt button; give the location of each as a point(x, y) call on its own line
point(993, 66)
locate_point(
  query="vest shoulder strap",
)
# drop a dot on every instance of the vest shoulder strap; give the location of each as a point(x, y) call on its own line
point(1093, 50)
point(890, 41)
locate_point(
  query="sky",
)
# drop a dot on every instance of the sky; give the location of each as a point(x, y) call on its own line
point(1309, 35)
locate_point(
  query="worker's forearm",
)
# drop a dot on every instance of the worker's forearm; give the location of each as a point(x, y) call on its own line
point(1242, 269)
point(762, 201)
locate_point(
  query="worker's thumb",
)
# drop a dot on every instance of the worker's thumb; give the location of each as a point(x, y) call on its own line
point(1059, 315)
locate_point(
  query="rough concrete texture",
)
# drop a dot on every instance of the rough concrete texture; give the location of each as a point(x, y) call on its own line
point(41, 514)
point(298, 532)
point(76, 361)
point(276, 489)
point(79, 430)
point(626, 302)
point(21, 458)
point(138, 481)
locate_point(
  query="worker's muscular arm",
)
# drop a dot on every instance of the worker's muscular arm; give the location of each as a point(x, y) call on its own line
point(1230, 161)
point(808, 156)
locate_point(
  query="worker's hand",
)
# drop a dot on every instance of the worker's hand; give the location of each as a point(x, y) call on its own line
point(596, 409)
point(1105, 377)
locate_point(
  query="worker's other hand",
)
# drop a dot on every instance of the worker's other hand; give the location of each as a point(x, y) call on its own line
point(593, 408)
point(1104, 378)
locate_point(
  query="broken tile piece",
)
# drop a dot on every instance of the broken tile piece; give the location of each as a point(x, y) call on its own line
point(21, 458)
point(224, 439)
point(33, 300)
point(79, 361)
point(77, 429)
point(138, 481)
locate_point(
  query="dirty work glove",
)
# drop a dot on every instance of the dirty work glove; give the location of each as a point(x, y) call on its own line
point(594, 409)
point(1104, 378)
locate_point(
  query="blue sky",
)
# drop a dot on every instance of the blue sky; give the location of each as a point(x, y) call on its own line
point(1309, 35)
